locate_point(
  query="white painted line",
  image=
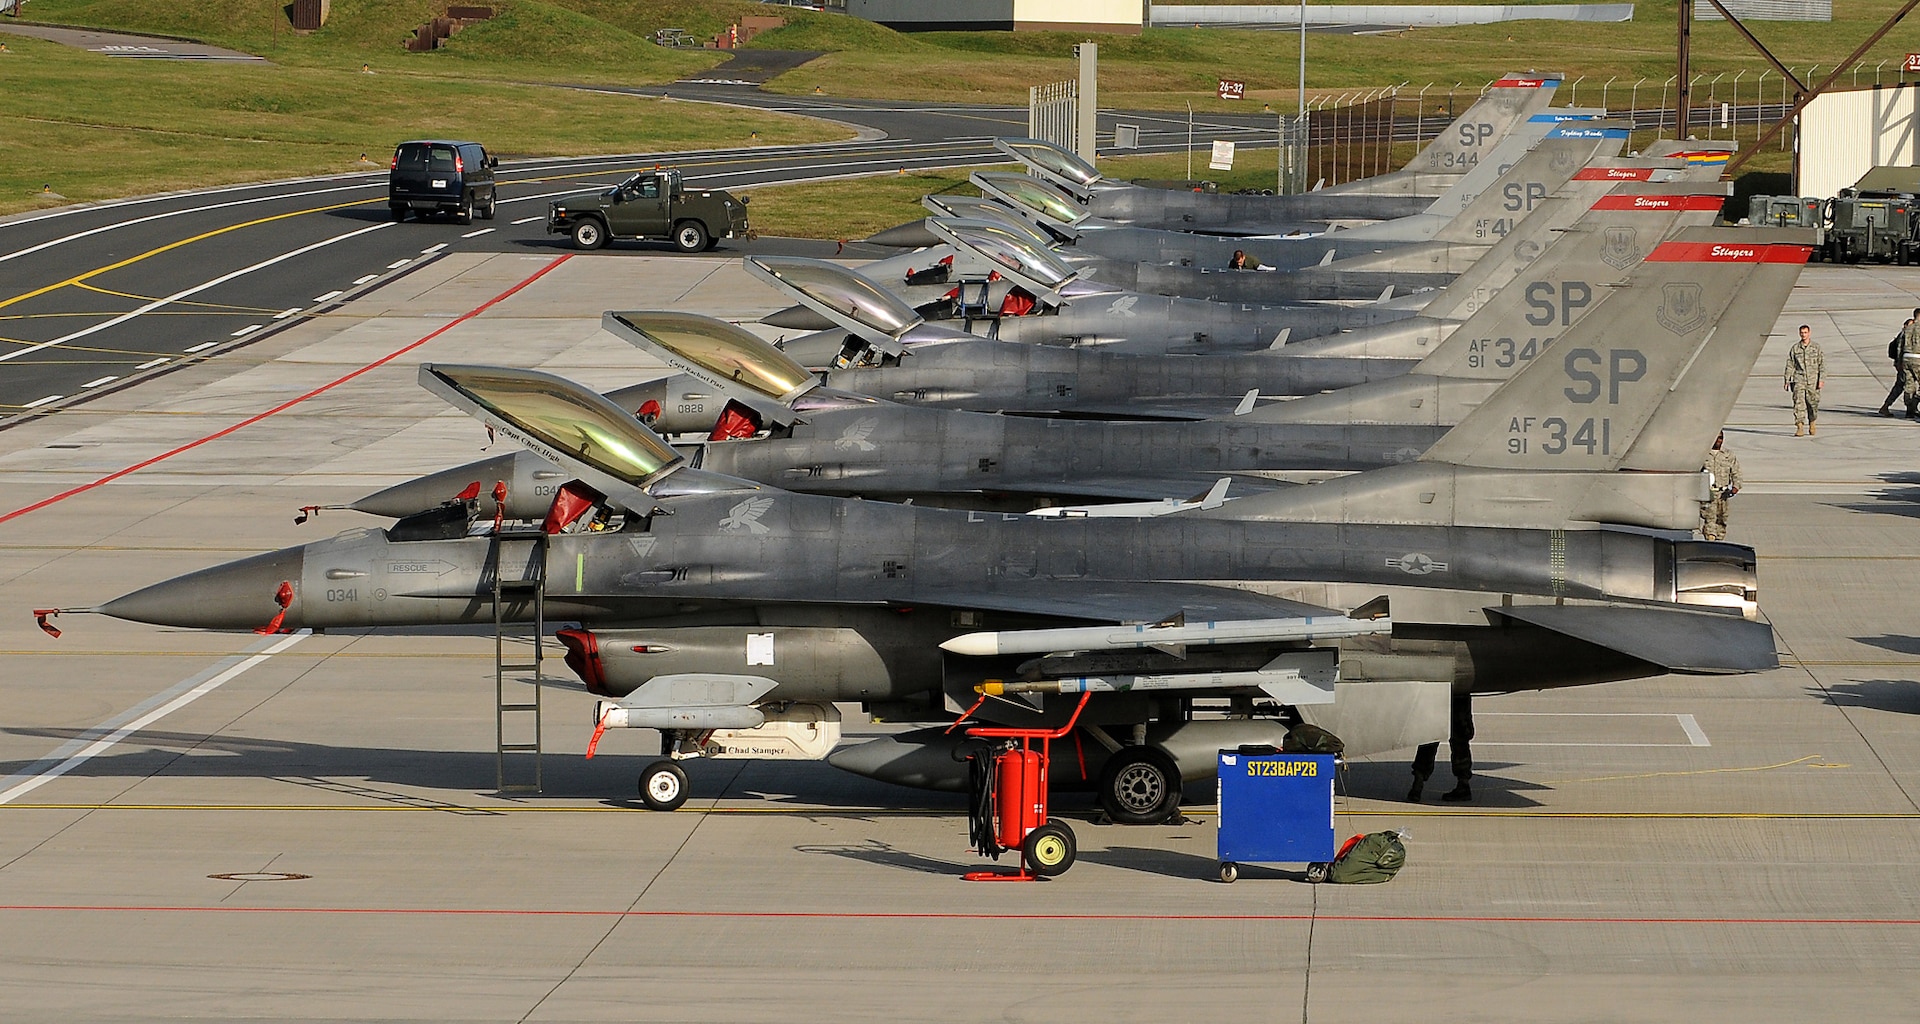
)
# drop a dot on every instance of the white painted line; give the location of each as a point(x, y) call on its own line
point(329, 297)
point(249, 329)
point(35, 404)
point(1696, 737)
point(526, 220)
point(431, 249)
point(397, 264)
point(175, 213)
point(97, 383)
point(151, 363)
point(477, 234)
point(285, 313)
point(364, 280)
point(187, 292)
point(202, 345)
point(101, 738)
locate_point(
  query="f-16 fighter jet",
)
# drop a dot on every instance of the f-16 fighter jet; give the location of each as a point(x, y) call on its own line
point(715, 606)
point(781, 427)
point(882, 348)
point(1507, 109)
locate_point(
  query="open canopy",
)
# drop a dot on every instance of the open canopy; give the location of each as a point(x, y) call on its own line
point(559, 415)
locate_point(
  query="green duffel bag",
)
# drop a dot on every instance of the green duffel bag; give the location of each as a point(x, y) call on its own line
point(1311, 739)
point(1374, 857)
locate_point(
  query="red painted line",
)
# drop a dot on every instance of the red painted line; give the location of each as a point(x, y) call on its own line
point(290, 403)
point(803, 915)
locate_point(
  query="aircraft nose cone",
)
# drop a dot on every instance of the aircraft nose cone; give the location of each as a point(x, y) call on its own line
point(237, 595)
point(402, 500)
point(911, 235)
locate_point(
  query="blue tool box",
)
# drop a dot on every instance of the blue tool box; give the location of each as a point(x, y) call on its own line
point(1274, 809)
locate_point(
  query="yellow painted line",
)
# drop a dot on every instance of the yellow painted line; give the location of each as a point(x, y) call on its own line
point(1699, 771)
point(170, 246)
point(220, 306)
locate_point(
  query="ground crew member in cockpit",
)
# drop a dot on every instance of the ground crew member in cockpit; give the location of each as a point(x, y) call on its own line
point(1460, 744)
point(1726, 483)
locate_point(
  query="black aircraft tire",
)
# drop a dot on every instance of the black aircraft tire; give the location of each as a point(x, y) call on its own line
point(1049, 850)
point(663, 786)
point(588, 234)
point(1140, 786)
point(689, 236)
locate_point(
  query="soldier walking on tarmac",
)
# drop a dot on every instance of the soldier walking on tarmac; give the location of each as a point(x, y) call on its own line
point(1896, 349)
point(1905, 353)
point(1805, 376)
point(1725, 470)
point(1460, 745)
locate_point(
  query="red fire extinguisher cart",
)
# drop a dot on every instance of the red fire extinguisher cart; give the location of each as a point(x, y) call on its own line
point(1008, 807)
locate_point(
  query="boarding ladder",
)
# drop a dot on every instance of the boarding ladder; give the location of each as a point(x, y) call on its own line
point(519, 569)
point(975, 307)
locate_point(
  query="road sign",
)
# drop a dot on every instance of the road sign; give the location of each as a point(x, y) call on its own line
point(1222, 157)
point(1912, 64)
point(1232, 90)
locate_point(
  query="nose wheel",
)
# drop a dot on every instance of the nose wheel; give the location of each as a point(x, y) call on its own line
point(663, 786)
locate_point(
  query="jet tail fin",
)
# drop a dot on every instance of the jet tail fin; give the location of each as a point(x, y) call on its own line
point(1641, 387)
point(1510, 100)
point(1480, 212)
point(1635, 388)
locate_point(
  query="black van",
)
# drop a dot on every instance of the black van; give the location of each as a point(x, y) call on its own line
point(434, 176)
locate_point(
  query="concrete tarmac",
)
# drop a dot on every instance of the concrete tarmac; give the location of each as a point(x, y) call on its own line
point(190, 829)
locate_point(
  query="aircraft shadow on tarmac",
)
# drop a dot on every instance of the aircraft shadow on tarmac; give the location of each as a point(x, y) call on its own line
point(817, 789)
point(1177, 864)
point(1901, 696)
point(873, 851)
point(1387, 780)
point(1901, 497)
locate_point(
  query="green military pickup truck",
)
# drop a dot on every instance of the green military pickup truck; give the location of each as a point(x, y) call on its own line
point(651, 204)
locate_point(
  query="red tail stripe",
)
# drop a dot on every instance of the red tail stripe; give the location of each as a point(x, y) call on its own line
point(1728, 252)
point(1520, 83)
point(1655, 204)
point(1614, 174)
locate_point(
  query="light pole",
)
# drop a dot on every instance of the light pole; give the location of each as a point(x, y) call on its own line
point(1189, 140)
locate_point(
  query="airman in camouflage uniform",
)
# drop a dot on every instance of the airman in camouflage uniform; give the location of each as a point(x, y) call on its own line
point(1910, 364)
point(1805, 376)
point(1726, 483)
point(1902, 380)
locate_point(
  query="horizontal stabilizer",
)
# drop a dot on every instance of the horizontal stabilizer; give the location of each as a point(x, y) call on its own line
point(1694, 642)
point(798, 318)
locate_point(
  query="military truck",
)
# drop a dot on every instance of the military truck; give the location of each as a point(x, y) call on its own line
point(1871, 225)
point(650, 204)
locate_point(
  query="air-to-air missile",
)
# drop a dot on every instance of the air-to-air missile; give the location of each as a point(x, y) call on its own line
point(1553, 494)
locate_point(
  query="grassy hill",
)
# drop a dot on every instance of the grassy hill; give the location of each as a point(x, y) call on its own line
point(96, 127)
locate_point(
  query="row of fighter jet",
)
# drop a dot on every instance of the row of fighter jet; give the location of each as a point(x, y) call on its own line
point(1053, 450)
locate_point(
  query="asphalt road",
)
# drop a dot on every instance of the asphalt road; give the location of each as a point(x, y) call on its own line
point(96, 298)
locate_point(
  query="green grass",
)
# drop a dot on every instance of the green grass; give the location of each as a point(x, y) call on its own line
point(855, 208)
point(96, 127)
